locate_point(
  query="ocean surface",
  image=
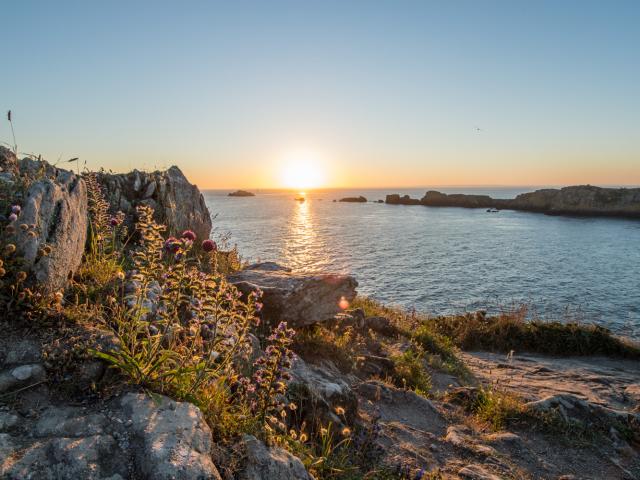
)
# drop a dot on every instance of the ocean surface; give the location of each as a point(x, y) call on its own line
point(447, 260)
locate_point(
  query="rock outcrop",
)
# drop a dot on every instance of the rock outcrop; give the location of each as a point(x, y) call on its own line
point(177, 203)
point(359, 199)
point(52, 216)
point(296, 298)
point(241, 193)
point(577, 200)
point(261, 462)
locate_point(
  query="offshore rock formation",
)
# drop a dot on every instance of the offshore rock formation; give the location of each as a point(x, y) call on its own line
point(577, 200)
point(359, 199)
point(296, 298)
point(177, 203)
point(241, 193)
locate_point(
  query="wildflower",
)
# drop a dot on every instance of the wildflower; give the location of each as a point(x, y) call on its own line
point(16, 209)
point(13, 217)
point(209, 246)
point(47, 249)
point(9, 249)
point(340, 410)
point(21, 276)
point(10, 229)
point(419, 474)
point(293, 407)
point(120, 275)
point(346, 431)
point(22, 296)
point(31, 234)
point(24, 227)
point(58, 297)
point(324, 431)
point(114, 222)
point(283, 414)
point(172, 245)
point(293, 434)
point(3, 272)
point(189, 235)
point(303, 437)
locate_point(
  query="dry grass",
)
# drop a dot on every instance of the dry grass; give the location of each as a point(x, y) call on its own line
point(514, 331)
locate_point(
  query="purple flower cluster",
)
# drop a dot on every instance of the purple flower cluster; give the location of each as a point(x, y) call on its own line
point(189, 235)
point(209, 246)
point(270, 379)
point(15, 211)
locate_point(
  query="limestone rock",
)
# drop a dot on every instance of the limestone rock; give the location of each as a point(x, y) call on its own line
point(177, 203)
point(171, 439)
point(326, 391)
point(296, 298)
point(56, 205)
point(275, 463)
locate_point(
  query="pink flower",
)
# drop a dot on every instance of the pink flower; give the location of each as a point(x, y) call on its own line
point(114, 222)
point(189, 235)
point(16, 209)
point(13, 217)
point(209, 246)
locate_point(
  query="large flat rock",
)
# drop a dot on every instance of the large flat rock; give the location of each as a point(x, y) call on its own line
point(296, 298)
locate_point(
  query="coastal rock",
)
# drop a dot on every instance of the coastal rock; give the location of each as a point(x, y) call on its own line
point(171, 440)
point(241, 193)
point(396, 199)
point(296, 298)
point(275, 463)
point(177, 203)
point(437, 199)
point(324, 391)
point(53, 215)
point(359, 199)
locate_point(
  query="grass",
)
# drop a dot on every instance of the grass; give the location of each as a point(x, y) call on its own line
point(513, 331)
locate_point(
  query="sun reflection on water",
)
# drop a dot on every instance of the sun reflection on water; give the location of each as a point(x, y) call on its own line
point(303, 248)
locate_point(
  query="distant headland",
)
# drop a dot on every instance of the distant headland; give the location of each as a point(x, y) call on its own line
point(583, 200)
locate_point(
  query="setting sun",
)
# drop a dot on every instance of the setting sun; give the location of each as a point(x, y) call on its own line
point(302, 170)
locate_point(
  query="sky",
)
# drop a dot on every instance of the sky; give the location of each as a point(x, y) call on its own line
point(253, 94)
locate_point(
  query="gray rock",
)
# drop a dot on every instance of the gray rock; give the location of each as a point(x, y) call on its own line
point(57, 206)
point(325, 390)
point(69, 422)
point(177, 204)
point(262, 463)
point(8, 420)
point(21, 376)
point(23, 351)
point(171, 440)
point(92, 458)
point(476, 472)
point(295, 298)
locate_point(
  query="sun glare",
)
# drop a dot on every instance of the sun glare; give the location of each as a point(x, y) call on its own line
point(302, 171)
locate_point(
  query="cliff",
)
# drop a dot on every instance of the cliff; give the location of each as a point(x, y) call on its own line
point(584, 200)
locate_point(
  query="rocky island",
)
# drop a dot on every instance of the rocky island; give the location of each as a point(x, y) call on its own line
point(359, 199)
point(241, 193)
point(584, 200)
point(130, 350)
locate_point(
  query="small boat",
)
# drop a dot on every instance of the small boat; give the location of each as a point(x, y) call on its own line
point(492, 210)
point(300, 199)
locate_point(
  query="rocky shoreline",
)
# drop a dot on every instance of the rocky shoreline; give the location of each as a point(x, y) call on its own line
point(583, 200)
point(357, 391)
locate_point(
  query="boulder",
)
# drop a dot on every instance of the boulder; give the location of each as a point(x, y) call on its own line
point(395, 199)
point(323, 391)
point(177, 203)
point(296, 298)
point(171, 440)
point(275, 463)
point(54, 214)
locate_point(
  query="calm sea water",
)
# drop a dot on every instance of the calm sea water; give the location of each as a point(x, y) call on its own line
point(445, 260)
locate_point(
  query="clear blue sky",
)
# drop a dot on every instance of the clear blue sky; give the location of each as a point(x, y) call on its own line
point(385, 93)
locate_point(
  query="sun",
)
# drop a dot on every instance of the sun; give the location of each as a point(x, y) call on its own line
point(302, 171)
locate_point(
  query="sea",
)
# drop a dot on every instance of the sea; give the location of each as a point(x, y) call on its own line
point(441, 260)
